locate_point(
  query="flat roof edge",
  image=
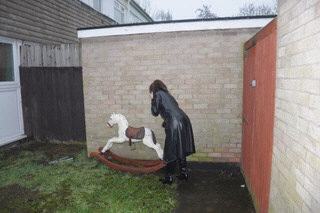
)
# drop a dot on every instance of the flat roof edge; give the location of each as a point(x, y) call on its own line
point(176, 26)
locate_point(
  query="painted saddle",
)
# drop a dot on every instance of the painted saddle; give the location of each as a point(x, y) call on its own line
point(135, 133)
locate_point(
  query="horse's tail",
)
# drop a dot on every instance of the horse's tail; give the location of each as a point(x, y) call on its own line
point(154, 139)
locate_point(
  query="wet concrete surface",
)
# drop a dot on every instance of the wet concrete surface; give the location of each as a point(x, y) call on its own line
point(214, 187)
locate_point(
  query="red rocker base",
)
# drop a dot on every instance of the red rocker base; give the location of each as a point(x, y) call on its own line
point(148, 166)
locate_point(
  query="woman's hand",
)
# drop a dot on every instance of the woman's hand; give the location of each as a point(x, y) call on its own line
point(151, 95)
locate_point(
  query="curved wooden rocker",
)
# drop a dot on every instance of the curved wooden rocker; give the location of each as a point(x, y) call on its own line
point(148, 166)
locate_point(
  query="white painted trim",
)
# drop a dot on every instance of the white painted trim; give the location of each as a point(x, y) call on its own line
point(5, 39)
point(18, 63)
point(16, 60)
point(175, 27)
point(11, 139)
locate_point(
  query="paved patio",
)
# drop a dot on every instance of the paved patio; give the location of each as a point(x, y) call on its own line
point(214, 187)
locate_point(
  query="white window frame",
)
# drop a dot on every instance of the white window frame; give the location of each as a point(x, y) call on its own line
point(16, 61)
point(121, 9)
point(14, 85)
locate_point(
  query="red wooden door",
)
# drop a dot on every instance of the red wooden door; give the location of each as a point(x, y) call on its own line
point(258, 113)
point(248, 110)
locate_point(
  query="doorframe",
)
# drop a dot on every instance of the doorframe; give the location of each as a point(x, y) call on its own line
point(14, 85)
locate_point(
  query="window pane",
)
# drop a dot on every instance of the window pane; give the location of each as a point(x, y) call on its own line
point(117, 16)
point(97, 5)
point(119, 11)
point(6, 62)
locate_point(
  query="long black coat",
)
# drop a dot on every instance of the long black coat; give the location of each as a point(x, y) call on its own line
point(179, 141)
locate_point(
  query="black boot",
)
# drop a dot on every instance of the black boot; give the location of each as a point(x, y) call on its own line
point(183, 170)
point(183, 174)
point(167, 180)
point(169, 173)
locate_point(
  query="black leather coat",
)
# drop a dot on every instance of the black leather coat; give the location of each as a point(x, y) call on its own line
point(179, 141)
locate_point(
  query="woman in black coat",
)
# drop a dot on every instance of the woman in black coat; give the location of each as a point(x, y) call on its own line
point(179, 141)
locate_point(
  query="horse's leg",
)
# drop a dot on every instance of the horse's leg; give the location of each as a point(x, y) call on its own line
point(149, 143)
point(111, 141)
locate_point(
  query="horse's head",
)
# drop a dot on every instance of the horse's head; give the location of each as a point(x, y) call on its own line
point(115, 119)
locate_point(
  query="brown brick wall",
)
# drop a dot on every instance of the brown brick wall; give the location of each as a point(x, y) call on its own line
point(202, 69)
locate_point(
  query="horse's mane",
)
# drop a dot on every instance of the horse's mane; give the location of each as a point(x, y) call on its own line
point(123, 118)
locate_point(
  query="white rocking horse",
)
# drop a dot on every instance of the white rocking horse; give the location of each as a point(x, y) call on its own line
point(128, 133)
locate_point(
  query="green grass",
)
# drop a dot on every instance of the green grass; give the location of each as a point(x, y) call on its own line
point(28, 184)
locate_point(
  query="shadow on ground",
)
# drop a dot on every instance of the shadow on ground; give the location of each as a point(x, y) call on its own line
point(214, 187)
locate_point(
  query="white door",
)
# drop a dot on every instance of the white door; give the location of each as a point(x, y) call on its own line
point(11, 120)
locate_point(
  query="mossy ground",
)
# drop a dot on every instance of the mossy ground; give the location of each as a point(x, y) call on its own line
point(29, 184)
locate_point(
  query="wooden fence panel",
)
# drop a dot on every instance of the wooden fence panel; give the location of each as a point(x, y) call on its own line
point(52, 102)
point(60, 55)
point(258, 113)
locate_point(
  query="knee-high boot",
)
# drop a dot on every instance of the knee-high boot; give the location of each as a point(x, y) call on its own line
point(183, 170)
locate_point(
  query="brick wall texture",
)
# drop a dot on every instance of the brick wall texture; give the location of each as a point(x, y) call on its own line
point(202, 69)
point(295, 181)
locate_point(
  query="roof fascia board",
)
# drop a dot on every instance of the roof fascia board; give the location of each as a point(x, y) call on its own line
point(175, 27)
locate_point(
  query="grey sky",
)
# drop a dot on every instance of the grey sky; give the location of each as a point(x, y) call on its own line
point(185, 9)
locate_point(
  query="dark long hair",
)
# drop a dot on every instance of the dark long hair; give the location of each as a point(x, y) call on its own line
point(158, 85)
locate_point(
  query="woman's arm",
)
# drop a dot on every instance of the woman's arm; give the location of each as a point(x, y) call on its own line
point(155, 104)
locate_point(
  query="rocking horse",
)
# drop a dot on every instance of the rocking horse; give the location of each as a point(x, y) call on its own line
point(133, 135)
